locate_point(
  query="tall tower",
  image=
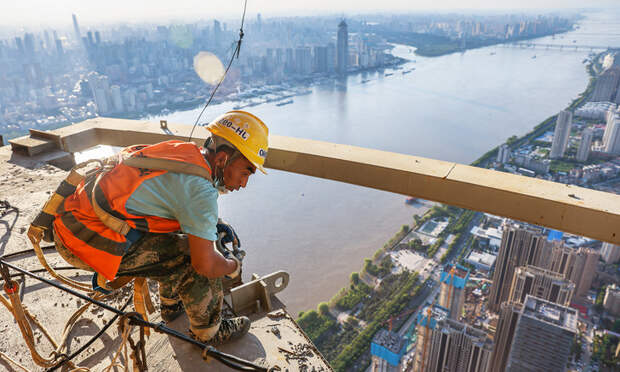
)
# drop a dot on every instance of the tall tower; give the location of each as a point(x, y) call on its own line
point(577, 265)
point(610, 253)
point(560, 135)
point(584, 146)
point(343, 48)
point(502, 341)
point(456, 347)
point(545, 284)
point(452, 295)
point(387, 349)
point(611, 137)
point(543, 337)
point(76, 28)
point(519, 247)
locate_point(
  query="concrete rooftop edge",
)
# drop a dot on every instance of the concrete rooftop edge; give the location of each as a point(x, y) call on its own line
point(568, 208)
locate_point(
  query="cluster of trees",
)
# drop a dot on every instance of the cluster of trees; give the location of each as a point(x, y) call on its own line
point(393, 304)
point(604, 350)
point(316, 323)
point(353, 296)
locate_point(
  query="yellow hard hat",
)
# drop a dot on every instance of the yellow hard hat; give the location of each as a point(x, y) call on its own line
point(246, 132)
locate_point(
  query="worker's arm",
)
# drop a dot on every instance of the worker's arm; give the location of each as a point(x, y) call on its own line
point(207, 261)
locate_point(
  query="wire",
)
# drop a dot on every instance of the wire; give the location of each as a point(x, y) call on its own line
point(232, 58)
point(227, 359)
point(91, 340)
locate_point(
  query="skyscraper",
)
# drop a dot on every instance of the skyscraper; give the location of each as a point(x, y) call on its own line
point(387, 349)
point(612, 112)
point(503, 154)
point(544, 284)
point(456, 347)
point(584, 146)
point(502, 341)
point(320, 59)
point(343, 48)
point(519, 247)
point(76, 28)
point(610, 253)
point(331, 57)
point(560, 135)
point(611, 302)
point(577, 265)
point(452, 295)
point(543, 337)
point(611, 136)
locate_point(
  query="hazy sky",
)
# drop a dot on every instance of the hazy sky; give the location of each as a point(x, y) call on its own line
point(31, 13)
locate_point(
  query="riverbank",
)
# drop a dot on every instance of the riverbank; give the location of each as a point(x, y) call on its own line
point(428, 45)
point(345, 339)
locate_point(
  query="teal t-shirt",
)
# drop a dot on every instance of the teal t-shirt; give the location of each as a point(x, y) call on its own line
point(189, 199)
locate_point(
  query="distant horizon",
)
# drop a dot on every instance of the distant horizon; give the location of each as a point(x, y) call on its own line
point(33, 15)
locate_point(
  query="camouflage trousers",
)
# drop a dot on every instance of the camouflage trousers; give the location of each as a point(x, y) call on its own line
point(165, 258)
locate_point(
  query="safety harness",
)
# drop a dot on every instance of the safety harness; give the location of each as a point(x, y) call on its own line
point(41, 228)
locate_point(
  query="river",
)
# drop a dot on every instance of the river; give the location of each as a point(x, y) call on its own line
point(455, 108)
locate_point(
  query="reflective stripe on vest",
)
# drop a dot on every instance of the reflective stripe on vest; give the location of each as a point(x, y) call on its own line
point(80, 230)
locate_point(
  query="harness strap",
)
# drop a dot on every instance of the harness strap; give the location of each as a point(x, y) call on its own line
point(167, 165)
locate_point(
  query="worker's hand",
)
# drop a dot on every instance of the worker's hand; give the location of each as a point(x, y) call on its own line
point(237, 271)
point(227, 234)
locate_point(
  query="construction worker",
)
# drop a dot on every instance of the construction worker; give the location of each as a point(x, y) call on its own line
point(163, 224)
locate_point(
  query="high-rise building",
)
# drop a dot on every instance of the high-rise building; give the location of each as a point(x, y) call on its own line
point(217, 33)
point(606, 85)
point(100, 88)
point(426, 323)
point(59, 50)
point(609, 118)
point(387, 349)
point(545, 284)
point(561, 134)
point(577, 265)
point(610, 253)
point(611, 302)
point(76, 28)
point(343, 48)
point(320, 59)
point(543, 337)
point(611, 136)
point(584, 146)
point(331, 57)
point(503, 154)
point(117, 100)
point(29, 47)
point(519, 247)
point(456, 347)
point(504, 333)
point(452, 295)
point(303, 60)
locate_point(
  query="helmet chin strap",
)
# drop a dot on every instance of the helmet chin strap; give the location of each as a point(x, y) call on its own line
point(218, 179)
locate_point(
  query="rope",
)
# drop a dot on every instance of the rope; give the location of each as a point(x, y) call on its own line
point(227, 359)
point(232, 58)
point(35, 234)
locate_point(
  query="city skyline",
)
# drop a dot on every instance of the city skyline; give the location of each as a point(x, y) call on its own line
point(37, 14)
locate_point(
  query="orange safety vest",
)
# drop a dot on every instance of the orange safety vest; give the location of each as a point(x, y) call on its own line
point(78, 221)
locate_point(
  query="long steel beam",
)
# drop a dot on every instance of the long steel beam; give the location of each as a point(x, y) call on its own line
point(567, 208)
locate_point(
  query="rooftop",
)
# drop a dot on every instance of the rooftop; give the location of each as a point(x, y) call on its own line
point(389, 340)
point(549, 312)
point(458, 280)
point(29, 171)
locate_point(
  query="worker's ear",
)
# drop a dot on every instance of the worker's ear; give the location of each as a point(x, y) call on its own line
point(221, 157)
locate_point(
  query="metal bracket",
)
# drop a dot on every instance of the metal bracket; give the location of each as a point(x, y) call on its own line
point(255, 295)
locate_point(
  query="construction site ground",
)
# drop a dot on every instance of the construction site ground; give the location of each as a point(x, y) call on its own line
point(26, 183)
